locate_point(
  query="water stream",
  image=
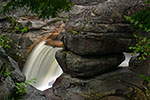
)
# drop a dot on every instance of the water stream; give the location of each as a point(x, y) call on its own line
point(42, 66)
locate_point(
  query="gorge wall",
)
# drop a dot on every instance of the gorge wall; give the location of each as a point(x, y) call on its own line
point(95, 37)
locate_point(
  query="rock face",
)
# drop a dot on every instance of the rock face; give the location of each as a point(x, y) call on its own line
point(96, 34)
point(79, 66)
point(10, 75)
point(103, 25)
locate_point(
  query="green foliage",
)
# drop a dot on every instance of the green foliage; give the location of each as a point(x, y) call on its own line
point(17, 27)
point(143, 46)
point(75, 32)
point(7, 98)
point(141, 20)
point(21, 87)
point(145, 77)
point(5, 42)
point(7, 72)
point(43, 9)
point(148, 1)
point(24, 30)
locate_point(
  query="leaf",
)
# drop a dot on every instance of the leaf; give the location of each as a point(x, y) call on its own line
point(74, 32)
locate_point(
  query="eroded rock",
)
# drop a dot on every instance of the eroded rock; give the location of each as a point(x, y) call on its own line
point(80, 66)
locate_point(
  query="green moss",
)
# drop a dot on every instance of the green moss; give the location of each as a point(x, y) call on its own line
point(74, 32)
point(65, 52)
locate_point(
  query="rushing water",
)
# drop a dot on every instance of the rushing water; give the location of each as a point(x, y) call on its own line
point(42, 66)
point(128, 56)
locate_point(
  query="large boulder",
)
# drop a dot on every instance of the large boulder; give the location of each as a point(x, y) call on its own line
point(80, 66)
point(101, 28)
point(95, 36)
point(98, 44)
point(121, 84)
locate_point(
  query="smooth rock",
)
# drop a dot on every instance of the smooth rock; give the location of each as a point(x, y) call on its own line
point(79, 66)
point(37, 24)
point(98, 44)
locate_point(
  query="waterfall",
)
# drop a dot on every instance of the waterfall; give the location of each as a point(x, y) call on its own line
point(128, 56)
point(42, 66)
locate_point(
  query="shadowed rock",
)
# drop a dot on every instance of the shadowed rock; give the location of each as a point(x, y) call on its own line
point(79, 66)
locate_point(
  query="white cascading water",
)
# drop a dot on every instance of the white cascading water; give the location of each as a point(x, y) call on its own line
point(42, 66)
point(128, 56)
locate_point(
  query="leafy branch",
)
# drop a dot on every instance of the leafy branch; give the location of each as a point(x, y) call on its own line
point(141, 20)
point(44, 9)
